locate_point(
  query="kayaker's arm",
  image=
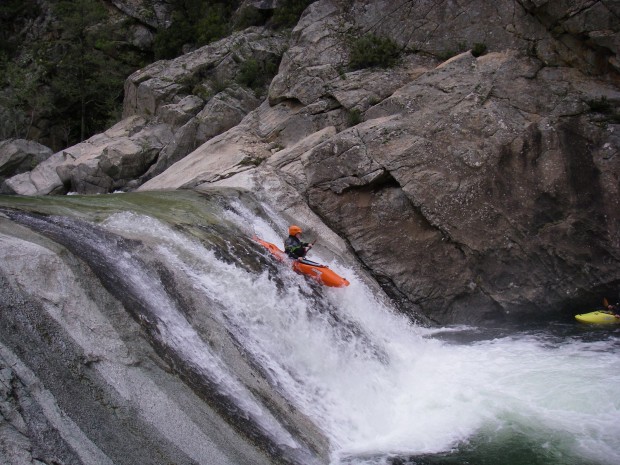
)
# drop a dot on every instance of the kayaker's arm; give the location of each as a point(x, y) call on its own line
point(308, 245)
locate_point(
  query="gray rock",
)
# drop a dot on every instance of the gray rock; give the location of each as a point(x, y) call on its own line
point(152, 13)
point(42, 180)
point(141, 37)
point(177, 114)
point(71, 362)
point(458, 184)
point(20, 155)
point(170, 109)
point(200, 72)
point(120, 161)
point(468, 174)
point(101, 164)
point(224, 111)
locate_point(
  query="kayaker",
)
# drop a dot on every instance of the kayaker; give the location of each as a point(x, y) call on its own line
point(293, 245)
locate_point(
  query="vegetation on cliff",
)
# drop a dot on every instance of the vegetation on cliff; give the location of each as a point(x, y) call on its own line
point(198, 22)
point(61, 76)
point(370, 51)
point(63, 63)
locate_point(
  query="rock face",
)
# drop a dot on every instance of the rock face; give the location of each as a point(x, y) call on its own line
point(171, 107)
point(152, 13)
point(475, 186)
point(79, 381)
point(489, 203)
point(101, 164)
point(19, 156)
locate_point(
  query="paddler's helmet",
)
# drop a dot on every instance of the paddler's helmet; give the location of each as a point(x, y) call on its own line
point(293, 230)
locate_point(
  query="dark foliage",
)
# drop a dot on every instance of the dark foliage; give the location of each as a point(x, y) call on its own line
point(65, 83)
point(14, 16)
point(372, 51)
point(288, 13)
point(255, 74)
point(197, 23)
point(478, 49)
point(65, 88)
point(250, 16)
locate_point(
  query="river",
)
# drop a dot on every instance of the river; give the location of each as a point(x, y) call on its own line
point(379, 388)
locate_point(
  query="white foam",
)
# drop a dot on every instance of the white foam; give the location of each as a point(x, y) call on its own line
point(424, 395)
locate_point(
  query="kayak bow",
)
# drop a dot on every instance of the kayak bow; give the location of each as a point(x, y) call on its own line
point(321, 273)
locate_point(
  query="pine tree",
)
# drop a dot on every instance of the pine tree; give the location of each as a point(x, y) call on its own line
point(80, 80)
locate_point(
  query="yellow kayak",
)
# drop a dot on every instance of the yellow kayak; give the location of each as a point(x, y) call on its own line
point(599, 317)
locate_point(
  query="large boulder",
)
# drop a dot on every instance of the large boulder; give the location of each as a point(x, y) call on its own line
point(101, 164)
point(79, 380)
point(20, 155)
point(111, 167)
point(204, 72)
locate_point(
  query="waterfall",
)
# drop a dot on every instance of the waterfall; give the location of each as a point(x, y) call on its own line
point(323, 375)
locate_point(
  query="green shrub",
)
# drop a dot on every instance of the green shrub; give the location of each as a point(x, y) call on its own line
point(447, 54)
point(288, 12)
point(250, 16)
point(214, 24)
point(195, 22)
point(372, 51)
point(601, 105)
point(218, 85)
point(169, 42)
point(478, 49)
point(256, 74)
point(250, 74)
point(201, 91)
point(354, 117)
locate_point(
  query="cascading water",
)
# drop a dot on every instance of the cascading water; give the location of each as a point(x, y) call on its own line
point(381, 389)
point(428, 396)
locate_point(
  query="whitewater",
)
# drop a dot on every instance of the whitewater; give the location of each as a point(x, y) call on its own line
point(319, 374)
point(380, 386)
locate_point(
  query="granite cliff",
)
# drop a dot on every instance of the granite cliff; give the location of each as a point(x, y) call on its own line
point(476, 177)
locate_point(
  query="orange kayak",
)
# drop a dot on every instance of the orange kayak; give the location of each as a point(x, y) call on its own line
point(316, 271)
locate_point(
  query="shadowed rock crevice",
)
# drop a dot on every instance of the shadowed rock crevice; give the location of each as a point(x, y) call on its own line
point(583, 174)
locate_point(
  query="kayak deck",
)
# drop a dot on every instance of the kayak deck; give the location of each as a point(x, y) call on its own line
point(321, 273)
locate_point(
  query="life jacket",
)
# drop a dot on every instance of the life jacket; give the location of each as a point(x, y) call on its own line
point(295, 248)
